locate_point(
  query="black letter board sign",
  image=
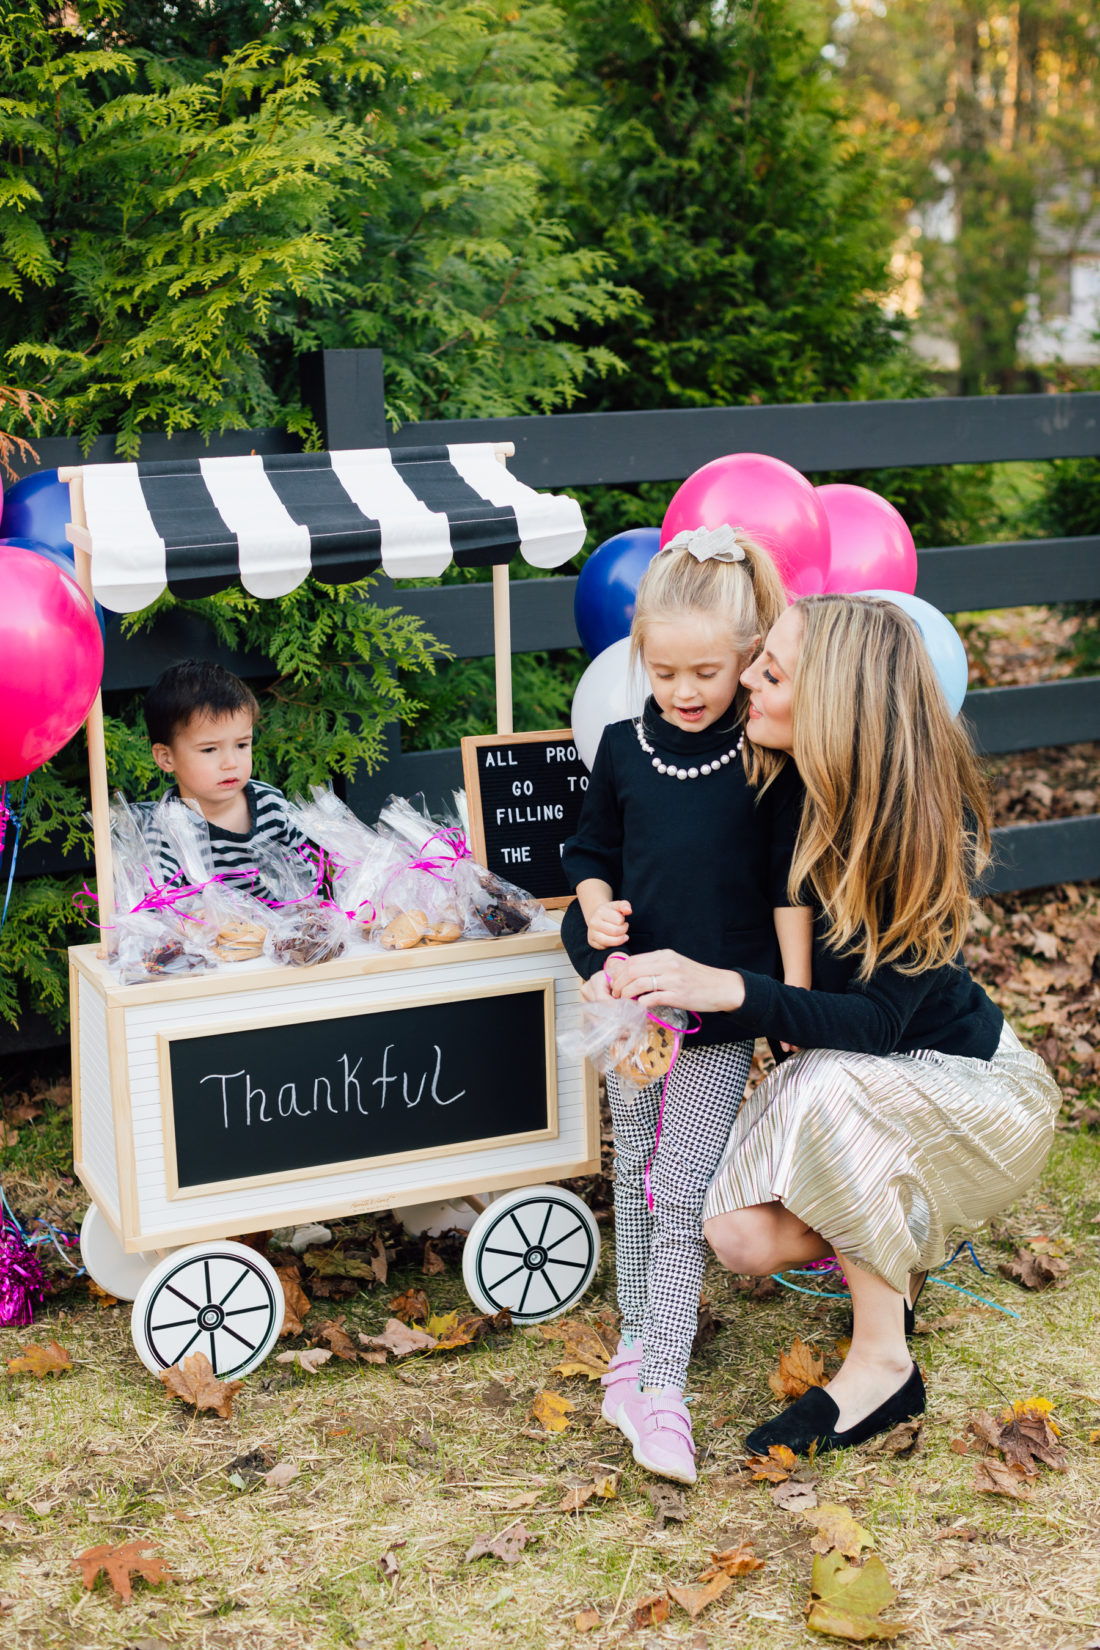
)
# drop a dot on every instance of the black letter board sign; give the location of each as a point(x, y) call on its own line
point(263, 1101)
point(524, 792)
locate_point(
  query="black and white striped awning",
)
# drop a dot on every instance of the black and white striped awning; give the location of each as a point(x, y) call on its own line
point(194, 526)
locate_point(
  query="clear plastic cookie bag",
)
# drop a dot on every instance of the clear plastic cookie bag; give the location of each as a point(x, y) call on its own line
point(617, 1034)
point(304, 926)
point(235, 921)
point(150, 935)
point(358, 859)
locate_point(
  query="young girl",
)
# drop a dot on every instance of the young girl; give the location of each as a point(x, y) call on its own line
point(674, 849)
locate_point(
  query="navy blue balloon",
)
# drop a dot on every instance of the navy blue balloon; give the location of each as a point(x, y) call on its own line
point(38, 508)
point(603, 603)
point(60, 558)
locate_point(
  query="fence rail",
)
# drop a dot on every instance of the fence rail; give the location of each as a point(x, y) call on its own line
point(345, 389)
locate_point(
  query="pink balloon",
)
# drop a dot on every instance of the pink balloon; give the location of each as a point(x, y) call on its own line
point(771, 502)
point(51, 660)
point(872, 548)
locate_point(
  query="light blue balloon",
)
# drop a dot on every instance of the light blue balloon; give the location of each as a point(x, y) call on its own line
point(942, 640)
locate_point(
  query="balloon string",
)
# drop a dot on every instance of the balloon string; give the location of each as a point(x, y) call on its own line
point(5, 815)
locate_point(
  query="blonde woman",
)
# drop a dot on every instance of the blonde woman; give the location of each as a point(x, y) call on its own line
point(673, 847)
point(912, 1108)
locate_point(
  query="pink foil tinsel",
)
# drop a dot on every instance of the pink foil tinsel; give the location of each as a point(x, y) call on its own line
point(22, 1279)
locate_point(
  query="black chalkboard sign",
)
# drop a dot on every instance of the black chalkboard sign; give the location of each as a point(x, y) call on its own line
point(347, 1088)
point(524, 792)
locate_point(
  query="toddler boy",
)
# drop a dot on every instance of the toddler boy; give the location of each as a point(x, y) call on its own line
point(200, 719)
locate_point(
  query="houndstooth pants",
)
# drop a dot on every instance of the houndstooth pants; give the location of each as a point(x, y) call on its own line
point(659, 1255)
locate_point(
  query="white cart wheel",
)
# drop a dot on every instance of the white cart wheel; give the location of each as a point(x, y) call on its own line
point(107, 1262)
point(222, 1299)
point(533, 1251)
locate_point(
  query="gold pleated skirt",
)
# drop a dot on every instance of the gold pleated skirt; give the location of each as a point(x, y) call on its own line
point(887, 1155)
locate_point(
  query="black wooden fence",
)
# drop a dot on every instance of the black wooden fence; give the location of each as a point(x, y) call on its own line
point(345, 389)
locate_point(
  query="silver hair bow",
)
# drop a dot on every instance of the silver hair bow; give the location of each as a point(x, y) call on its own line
point(709, 543)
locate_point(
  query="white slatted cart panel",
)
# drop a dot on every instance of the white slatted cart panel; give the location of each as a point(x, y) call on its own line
point(142, 1020)
point(95, 1142)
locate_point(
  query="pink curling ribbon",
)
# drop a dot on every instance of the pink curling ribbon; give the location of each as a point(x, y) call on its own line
point(162, 895)
point(452, 837)
point(306, 854)
point(678, 1035)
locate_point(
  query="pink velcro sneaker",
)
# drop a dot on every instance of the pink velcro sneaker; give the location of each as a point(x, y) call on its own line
point(620, 1378)
point(659, 1427)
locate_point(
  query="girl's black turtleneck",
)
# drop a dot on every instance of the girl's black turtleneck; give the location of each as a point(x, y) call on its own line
point(702, 861)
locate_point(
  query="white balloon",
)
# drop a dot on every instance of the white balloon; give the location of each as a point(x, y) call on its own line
point(609, 691)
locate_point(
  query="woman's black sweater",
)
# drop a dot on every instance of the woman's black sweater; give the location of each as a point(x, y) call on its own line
point(940, 1009)
point(702, 861)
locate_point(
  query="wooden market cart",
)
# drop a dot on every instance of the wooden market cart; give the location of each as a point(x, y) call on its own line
point(254, 1096)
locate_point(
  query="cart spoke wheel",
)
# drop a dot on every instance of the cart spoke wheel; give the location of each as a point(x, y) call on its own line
point(204, 1278)
point(107, 1262)
point(532, 1251)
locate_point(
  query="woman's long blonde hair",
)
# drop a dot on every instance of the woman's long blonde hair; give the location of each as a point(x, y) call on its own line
point(896, 820)
point(745, 598)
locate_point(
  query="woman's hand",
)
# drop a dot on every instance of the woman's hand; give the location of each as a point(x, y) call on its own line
point(666, 977)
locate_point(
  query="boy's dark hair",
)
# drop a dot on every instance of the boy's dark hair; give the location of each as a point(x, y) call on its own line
point(194, 687)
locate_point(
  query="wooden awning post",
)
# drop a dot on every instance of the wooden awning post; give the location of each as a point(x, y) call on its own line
point(502, 626)
point(77, 534)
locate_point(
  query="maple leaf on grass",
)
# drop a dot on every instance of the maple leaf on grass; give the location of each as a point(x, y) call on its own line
point(297, 1301)
point(904, 1439)
point(411, 1307)
point(799, 1369)
point(119, 1564)
point(400, 1339)
point(585, 1620)
point(310, 1360)
point(998, 1478)
point(585, 1352)
point(695, 1599)
point(733, 1561)
point(847, 1601)
point(553, 1410)
point(650, 1611)
point(507, 1546)
point(836, 1528)
point(793, 1496)
point(339, 1341)
point(777, 1465)
point(667, 1504)
point(194, 1382)
point(1034, 1271)
point(41, 1360)
point(1028, 1439)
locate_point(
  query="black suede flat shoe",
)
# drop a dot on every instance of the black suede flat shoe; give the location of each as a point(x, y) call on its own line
point(813, 1420)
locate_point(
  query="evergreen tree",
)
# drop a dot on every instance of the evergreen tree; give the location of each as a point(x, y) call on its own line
point(725, 181)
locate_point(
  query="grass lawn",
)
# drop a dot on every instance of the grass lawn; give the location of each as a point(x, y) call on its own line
point(420, 1457)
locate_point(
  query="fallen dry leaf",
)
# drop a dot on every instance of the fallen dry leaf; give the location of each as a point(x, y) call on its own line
point(339, 1341)
point(847, 1601)
point(453, 1330)
point(9, 1136)
point(388, 1566)
point(1029, 1439)
point(837, 1528)
point(650, 1611)
point(695, 1599)
point(41, 1360)
point(585, 1620)
point(400, 1339)
point(379, 1263)
point(101, 1297)
point(667, 1504)
point(282, 1474)
point(311, 1360)
point(573, 1500)
point(777, 1465)
point(194, 1382)
point(799, 1369)
point(119, 1564)
point(1034, 1271)
point(584, 1353)
point(507, 1546)
point(996, 1478)
point(793, 1496)
point(904, 1439)
point(411, 1307)
point(552, 1410)
point(297, 1301)
point(733, 1561)
point(433, 1262)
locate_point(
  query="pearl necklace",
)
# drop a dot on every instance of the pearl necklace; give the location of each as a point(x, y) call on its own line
point(687, 773)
